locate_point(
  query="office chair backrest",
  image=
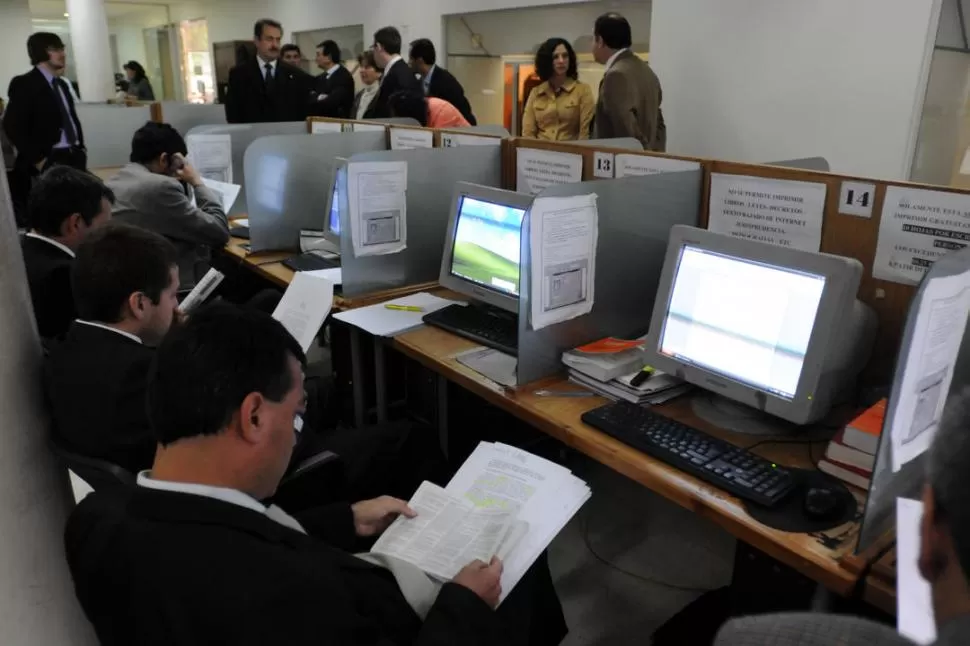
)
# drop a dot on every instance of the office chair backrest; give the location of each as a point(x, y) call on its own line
point(100, 474)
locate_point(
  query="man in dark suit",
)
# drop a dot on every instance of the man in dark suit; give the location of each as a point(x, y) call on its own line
point(192, 556)
point(630, 94)
point(125, 286)
point(397, 75)
point(266, 89)
point(65, 204)
point(335, 87)
point(437, 81)
point(40, 119)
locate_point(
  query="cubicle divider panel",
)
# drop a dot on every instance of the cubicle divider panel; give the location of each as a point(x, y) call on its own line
point(108, 130)
point(290, 178)
point(635, 215)
point(805, 163)
point(432, 175)
point(185, 116)
point(243, 134)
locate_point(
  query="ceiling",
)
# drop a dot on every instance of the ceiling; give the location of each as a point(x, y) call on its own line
point(137, 10)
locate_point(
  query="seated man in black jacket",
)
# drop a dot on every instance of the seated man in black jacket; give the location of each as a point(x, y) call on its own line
point(191, 556)
point(125, 283)
point(64, 205)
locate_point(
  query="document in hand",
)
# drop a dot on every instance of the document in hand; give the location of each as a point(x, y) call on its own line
point(503, 501)
point(227, 194)
point(202, 290)
point(304, 306)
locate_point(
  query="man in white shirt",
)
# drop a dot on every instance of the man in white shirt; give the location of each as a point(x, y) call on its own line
point(397, 76)
point(65, 205)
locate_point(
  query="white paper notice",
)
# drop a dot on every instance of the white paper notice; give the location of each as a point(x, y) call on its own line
point(779, 212)
point(454, 140)
point(916, 229)
point(914, 597)
point(408, 139)
point(211, 155)
point(227, 192)
point(635, 165)
point(304, 307)
point(562, 241)
point(378, 207)
point(928, 368)
point(368, 127)
point(321, 127)
point(537, 169)
point(965, 164)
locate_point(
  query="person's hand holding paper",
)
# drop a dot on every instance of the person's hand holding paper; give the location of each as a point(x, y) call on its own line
point(372, 517)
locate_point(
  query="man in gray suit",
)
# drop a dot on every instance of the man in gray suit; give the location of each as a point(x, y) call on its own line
point(944, 559)
point(155, 191)
point(630, 94)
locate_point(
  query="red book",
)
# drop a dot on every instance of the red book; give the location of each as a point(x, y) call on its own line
point(845, 472)
point(838, 451)
point(863, 432)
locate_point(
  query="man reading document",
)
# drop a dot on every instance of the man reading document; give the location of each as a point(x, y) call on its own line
point(193, 556)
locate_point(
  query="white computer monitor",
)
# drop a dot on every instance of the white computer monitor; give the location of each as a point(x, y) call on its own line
point(481, 253)
point(776, 329)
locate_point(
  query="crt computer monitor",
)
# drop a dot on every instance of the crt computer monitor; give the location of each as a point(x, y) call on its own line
point(773, 328)
point(338, 185)
point(481, 253)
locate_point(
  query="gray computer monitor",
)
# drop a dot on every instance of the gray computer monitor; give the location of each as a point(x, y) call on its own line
point(481, 253)
point(773, 328)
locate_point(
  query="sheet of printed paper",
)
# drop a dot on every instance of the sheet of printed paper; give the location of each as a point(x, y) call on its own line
point(377, 192)
point(562, 241)
point(490, 363)
point(227, 193)
point(914, 598)
point(211, 155)
point(202, 290)
point(916, 228)
point(322, 127)
point(780, 212)
point(635, 165)
point(538, 169)
point(305, 306)
point(409, 139)
point(368, 127)
point(454, 140)
point(929, 363)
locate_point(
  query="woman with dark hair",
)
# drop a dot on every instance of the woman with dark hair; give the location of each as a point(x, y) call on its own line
point(139, 87)
point(561, 107)
point(370, 76)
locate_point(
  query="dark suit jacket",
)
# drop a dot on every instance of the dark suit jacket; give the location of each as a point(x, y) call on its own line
point(397, 77)
point(96, 382)
point(160, 568)
point(49, 279)
point(33, 120)
point(629, 104)
point(248, 100)
point(339, 91)
point(445, 86)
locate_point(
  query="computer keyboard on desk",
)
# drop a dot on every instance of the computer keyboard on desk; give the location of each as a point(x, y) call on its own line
point(491, 327)
point(310, 262)
point(728, 467)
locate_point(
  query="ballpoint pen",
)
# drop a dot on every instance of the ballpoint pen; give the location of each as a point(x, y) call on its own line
point(403, 308)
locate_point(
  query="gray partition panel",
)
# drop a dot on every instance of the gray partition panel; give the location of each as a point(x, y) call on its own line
point(397, 121)
point(185, 116)
point(432, 174)
point(627, 143)
point(243, 134)
point(808, 163)
point(635, 217)
point(108, 130)
point(289, 182)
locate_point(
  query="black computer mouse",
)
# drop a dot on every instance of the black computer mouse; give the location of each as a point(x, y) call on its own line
point(822, 504)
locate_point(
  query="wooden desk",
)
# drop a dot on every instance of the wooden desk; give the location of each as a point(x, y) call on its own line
point(818, 556)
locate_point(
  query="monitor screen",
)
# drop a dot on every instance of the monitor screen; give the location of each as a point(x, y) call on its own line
point(742, 320)
point(334, 224)
point(486, 249)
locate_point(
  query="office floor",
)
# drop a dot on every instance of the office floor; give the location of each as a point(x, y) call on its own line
point(644, 534)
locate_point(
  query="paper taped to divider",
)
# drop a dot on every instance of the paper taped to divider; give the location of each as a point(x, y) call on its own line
point(377, 193)
point(211, 155)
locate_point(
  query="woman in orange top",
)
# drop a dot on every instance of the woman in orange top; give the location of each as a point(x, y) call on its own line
point(429, 111)
point(561, 107)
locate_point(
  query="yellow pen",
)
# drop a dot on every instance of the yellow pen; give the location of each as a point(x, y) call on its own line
point(403, 308)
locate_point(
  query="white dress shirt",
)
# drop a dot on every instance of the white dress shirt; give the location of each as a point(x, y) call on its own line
point(110, 329)
point(612, 59)
point(333, 68)
point(59, 245)
point(262, 66)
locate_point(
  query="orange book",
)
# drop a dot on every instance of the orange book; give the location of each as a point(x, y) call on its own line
point(864, 431)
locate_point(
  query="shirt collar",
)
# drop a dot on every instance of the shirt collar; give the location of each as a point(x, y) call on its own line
point(262, 63)
point(427, 77)
point(390, 64)
point(110, 329)
point(232, 496)
point(568, 85)
point(47, 74)
point(63, 247)
point(333, 68)
point(612, 59)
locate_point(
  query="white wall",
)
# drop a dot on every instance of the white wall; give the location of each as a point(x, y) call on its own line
point(232, 20)
point(15, 27)
point(761, 80)
point(131, 44)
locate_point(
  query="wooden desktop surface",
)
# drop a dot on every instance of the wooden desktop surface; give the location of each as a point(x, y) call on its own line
point(818, 556)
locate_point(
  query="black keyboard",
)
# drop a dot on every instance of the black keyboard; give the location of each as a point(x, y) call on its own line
point(239, 232)
point(310, 262)
point(720, 463)
point(489, 326)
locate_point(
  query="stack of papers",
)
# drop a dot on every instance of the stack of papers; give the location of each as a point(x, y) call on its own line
point(503, 502)
point(659, 388)
point(381, 321)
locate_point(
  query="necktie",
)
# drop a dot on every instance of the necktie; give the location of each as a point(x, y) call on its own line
point(268, 77)
point(67, 123)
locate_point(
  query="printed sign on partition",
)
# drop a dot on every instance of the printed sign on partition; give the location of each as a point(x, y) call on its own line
point(537, 169)
point(603, 165)
point(635, 165)
point(917, 228)
point(407, 139)
point(320, 127)
point(454, 140)
point(785, 213)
